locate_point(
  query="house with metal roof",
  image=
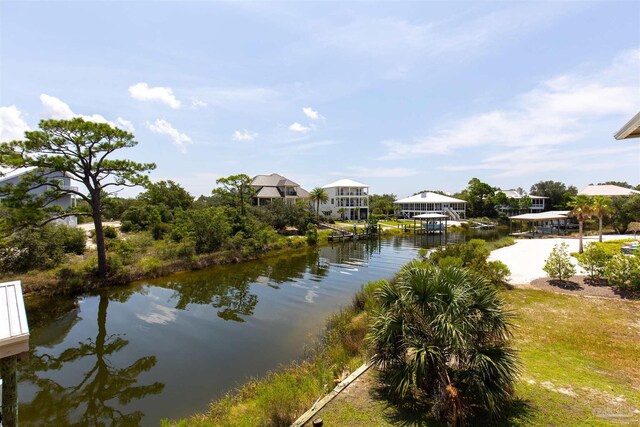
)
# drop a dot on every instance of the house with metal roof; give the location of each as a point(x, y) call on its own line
point(433, 203)
point(348, 199)
point(537, 202)
point(607, 190)
point(272, 187)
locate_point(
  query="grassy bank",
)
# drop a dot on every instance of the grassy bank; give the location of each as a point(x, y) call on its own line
point(580, 367)
point(136, 256)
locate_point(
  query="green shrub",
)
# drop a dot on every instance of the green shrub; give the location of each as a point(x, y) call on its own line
point(623, 271)
point(495, 272)
point(558, 265)
point(450, 261)
point(312, 234)
point(110, 232)
point(114, 264)
point(123, 249)
point(75, 239)
point(39, 248)
point(594, 259)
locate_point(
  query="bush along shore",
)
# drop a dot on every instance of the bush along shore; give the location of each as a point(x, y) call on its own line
point(134, 256)
point(284, 394)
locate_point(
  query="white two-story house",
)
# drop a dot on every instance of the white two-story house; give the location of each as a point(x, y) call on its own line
point(537, 202)
point(429, 202)
point(347, 199)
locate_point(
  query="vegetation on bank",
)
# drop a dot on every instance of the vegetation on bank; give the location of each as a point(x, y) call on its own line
point(283, 395)
point(579, 360)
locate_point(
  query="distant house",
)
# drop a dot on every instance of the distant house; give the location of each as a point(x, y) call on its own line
point(66, 201)
point(272, 187)
point(428, 202)
point(347, 199)
point(607, 190)
point(537, 202)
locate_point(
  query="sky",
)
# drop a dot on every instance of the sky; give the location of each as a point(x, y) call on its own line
point(402, 96)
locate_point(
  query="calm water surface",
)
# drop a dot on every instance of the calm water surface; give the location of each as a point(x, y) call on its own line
point(165, 348)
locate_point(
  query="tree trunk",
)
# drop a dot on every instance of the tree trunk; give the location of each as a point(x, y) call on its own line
point(600, 229)
point(580, 235)
point(100, 247)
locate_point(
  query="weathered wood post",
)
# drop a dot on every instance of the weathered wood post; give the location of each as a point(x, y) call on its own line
point(14, 343)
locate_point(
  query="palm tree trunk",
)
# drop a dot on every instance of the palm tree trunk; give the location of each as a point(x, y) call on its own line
point(600, 228)
point(580, 235)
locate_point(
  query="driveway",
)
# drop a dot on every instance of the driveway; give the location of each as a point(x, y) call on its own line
point(526, 258)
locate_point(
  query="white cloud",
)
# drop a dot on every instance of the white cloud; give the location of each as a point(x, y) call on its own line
point(411, 39)
point(197, 103)
point(244, 135)
point(55, 108)
point(162, 127)
point(558, 111)
point(12, 125)
point(313, 115)
point(297, 127)
point(125, 125)
point(142, 92)
point(364, 172)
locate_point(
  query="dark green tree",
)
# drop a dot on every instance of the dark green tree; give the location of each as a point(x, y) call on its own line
point(555, 191)
point(382, 204)
point(236, 191)
point(82, 151)
point(167, 193)
point(479, 196)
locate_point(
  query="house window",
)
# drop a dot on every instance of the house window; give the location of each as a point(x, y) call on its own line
point(331, 201)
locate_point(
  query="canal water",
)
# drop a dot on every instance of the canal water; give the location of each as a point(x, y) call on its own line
point(165, 348)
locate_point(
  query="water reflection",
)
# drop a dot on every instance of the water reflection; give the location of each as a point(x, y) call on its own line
point(228, 288)
point(97, 396)
point(114, 372)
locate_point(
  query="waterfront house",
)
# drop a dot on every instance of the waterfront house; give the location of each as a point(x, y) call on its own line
point(433, 203)
point(607, 190)
point(537, 202)
point(346, 199)
point(65, 202)
point(273, 187)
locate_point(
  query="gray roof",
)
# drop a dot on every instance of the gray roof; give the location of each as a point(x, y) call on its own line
point(302, 193)
point(273, 180)
point(268, 193)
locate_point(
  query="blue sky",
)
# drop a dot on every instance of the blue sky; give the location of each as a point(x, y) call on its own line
point(403, 96)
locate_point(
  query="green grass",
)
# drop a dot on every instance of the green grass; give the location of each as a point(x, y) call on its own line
point(581, 366)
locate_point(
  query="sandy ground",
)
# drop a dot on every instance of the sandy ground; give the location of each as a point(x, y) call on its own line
point(89, 227)
point(526, 258)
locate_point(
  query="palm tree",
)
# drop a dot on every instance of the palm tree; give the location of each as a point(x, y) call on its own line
point(581, 210)
point(601, 205)
point(444, 333)
point(318, 195)
point(342, 211)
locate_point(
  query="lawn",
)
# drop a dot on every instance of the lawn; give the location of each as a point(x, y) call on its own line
point(581, 366)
